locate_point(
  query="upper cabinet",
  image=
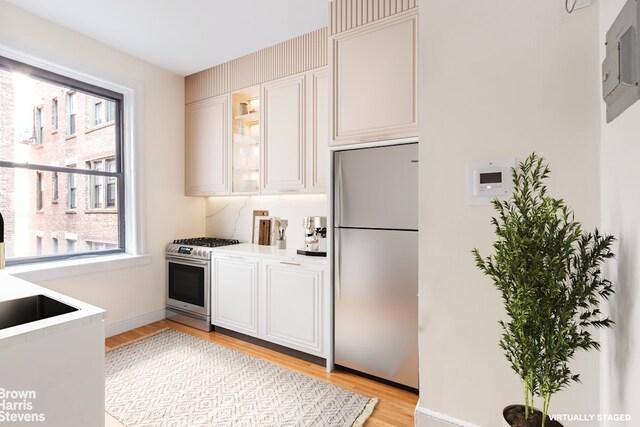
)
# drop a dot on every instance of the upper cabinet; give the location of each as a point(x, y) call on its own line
point(374, 80)
point(246, 140)
point(295, 133)
point(284, 137)
point(207, 147)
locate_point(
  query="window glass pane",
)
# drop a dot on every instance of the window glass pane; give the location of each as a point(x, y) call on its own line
point(30, 101)
point(81, 229)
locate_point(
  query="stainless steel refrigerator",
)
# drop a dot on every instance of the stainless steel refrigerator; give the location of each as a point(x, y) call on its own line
point(375, 232)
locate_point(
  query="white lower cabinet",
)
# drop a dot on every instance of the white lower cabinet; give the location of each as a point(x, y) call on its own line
point(293, 305)
point(279, 301)
point(234, 294)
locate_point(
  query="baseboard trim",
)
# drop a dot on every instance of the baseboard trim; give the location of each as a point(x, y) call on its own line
point(427, 418)
point(134, 322)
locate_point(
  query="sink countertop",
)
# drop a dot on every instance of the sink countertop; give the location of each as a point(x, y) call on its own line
point(14, 288)
point(269, 252)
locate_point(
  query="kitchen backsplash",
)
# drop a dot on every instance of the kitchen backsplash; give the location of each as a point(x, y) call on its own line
point(232, 217)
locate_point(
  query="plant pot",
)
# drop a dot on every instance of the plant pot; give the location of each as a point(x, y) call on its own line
point(515, 414)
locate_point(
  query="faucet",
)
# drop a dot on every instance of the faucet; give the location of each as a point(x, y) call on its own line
point(1, 242)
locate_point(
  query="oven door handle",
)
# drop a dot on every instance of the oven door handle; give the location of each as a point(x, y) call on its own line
point(183, 261)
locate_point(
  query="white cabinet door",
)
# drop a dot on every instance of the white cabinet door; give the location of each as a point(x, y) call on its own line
point(283, 135)
point(374, 80)
point(234, 294)
point(207, 147)
point(318, 130)
point(294, 306)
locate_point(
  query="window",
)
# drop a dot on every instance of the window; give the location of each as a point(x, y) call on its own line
point(39, 191)
point(71, 190)
point(104, 111)
point(71, 113)
point(102, 189)
point(96, 185)
point(85, 174)
point(54, 187)
point(54, 114)
point(111, 111)
point(38, 125)
point(98, 113)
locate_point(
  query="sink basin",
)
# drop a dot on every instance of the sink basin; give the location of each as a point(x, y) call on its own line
point(30, 309)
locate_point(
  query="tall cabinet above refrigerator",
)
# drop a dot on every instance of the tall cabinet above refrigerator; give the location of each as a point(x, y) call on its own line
point(375, 232)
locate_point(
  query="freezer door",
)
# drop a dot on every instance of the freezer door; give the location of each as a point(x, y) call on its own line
point(377, 187)
point(376, 303)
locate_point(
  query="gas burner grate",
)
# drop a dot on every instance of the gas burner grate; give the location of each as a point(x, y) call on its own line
point(209, 242)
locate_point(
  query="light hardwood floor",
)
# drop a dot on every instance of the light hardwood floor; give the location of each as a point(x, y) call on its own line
point(395, 407)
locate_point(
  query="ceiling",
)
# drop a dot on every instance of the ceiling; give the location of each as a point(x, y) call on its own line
point(184, 36)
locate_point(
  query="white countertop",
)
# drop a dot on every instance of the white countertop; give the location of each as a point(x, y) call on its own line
point(14, 288)
point(269, 252)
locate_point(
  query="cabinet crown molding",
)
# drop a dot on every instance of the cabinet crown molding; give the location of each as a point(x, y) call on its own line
point(347, 14)
point(297, 55)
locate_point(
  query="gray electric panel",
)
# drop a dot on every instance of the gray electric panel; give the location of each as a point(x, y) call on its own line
point(620, 67)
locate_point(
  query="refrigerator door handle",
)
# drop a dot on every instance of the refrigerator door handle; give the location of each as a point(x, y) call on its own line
point(338, 196)
point(337, 266)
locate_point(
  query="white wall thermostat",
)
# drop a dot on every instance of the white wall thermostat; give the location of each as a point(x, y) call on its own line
point(488, 180)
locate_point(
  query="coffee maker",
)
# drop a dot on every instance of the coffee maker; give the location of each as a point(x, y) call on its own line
point(315, 236)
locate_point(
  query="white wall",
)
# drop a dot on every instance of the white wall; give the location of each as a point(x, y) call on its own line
point(232, 217)
point(498, 79)
point(127, 293)
point(620, 216)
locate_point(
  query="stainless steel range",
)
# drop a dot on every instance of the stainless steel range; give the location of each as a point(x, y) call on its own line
point(189, 280)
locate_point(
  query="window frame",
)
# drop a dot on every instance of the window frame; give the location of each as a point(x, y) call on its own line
point(72, 85)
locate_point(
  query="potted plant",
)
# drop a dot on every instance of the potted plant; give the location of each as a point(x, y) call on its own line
point(547, 271)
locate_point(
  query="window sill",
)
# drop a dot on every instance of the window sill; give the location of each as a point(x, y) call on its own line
point(100, 211)
point(68, 137)
point(76, 267)
point(100, 126)
point(71, 211)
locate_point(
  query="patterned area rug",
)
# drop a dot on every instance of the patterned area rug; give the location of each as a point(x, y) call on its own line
point(174, 379)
